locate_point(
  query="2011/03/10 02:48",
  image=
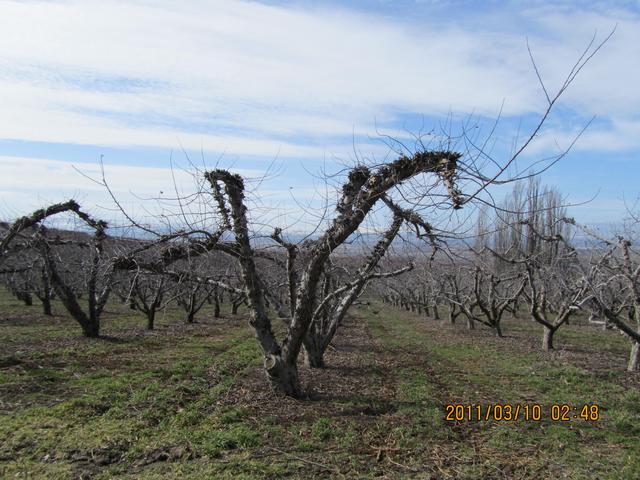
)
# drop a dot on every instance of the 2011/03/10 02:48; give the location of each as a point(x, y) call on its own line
point(525, 412)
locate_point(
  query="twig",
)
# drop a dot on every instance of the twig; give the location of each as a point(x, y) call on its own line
point(326, 467)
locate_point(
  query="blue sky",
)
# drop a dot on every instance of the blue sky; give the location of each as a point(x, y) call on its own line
point(299, 87)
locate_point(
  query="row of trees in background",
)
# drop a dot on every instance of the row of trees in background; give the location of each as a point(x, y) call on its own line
point(78, 269)
point(528, 259)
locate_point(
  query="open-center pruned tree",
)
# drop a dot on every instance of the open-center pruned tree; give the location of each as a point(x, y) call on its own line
point(361, 192)
point(94, 277)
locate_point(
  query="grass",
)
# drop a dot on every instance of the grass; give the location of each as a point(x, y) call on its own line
point(190, 401)
point(462, 369)
point(136, 397)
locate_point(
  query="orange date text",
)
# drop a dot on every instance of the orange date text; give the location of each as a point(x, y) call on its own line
point(529, 412)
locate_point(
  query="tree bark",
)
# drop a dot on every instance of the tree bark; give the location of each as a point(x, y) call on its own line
point(634, 358)
point(283, 376)
point(151, 317)
point(313, 352)
point(216, 307)
point(452, 315)
point(90, 324)
point(91, 329)
point(280, 367)
point(547, 338)
point(46, 292)
point(498, 329)
point(46, 304)
point(234, 308)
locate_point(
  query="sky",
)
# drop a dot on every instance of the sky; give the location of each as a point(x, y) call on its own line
point(288, 92)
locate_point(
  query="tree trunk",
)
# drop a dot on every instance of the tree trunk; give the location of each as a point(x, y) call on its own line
point(436, 312)
point(234, 308)
point(91, 329)
point(46, 304)
point(634, 358)
point(498, 329)
point(190, 316)
point(151, 317)
point(471, 325)
point(26, 298)
point(283, 376)
point(547, 338)
point(90, 324)
point(515, 309)
point(313, 352)
point(216, 306)
point(46, 292)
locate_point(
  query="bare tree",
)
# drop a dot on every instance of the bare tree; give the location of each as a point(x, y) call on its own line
point(147, 294)
point(460, 294)
point(493, 294)
point(99, 275)
point(530, 235)
point(360, 193)
point(613, 280)
point(192, 296)
point(553, 298)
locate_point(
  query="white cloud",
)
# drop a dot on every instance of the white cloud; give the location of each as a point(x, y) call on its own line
point(618, 136)
point(272, 70)
point(242, 65)
point(608, 85)
point(277, 70)
point(251, 79)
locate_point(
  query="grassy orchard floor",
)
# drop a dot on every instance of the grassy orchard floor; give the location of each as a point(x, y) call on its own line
point(190, 401)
